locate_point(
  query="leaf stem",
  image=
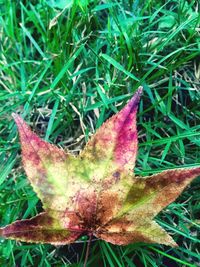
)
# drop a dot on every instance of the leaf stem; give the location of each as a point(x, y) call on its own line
point(87, 250)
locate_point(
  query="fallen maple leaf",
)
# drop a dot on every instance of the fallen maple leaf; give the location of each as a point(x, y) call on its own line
point(96, 193)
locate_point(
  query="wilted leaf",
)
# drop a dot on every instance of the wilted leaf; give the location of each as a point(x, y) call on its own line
point(96, 193)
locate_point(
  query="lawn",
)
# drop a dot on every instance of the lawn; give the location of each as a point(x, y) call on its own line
point(65, 67)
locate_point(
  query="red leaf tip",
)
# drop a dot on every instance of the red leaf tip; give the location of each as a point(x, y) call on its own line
point(14, 115)
point(136, 97)
point(139, 90)
point(19, 121)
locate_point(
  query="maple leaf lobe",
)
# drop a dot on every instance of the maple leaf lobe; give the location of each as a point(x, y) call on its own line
point(40, 229)
point(116, 139)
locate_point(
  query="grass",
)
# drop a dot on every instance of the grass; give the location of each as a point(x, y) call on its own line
point(66, 70)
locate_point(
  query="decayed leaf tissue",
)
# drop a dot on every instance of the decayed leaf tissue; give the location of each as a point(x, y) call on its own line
point(96, 193)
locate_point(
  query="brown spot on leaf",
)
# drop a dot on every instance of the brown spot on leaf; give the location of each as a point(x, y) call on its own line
point(108, 203)
point(86, 202)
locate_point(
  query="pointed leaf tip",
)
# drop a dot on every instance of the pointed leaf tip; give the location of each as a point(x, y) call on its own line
point(133, 102)
point(115, 142)
point(136, 97)
point(15, 116)
point(20, 122)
